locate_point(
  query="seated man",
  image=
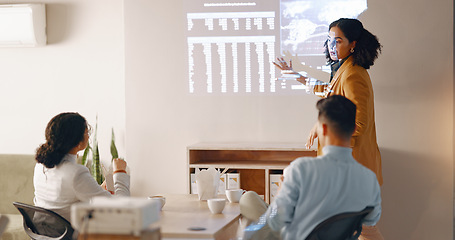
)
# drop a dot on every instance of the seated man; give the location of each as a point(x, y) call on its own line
point(316, 188)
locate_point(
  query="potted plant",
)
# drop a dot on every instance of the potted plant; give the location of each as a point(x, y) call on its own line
point(95, 166)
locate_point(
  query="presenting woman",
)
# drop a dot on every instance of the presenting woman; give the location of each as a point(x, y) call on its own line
point(59, 181)
point(351, 50)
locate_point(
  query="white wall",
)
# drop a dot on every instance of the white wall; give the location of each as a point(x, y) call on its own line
point(414, 112)
point(80, 69)
point(412, 79)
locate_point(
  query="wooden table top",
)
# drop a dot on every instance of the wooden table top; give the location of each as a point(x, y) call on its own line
point(184, 211)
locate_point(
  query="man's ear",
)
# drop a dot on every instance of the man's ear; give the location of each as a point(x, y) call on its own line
point(324, 129)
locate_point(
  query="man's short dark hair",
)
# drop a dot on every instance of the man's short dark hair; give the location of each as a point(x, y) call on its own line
point(338, 113)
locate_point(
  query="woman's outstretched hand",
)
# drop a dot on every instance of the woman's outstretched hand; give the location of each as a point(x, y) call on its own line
point(283, 66)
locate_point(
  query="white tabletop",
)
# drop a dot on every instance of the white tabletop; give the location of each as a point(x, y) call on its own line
point(184, 211)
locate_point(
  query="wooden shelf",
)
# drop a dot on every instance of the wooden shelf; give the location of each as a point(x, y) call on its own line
point(239, 166)
point(268, 146)
point(254, 161)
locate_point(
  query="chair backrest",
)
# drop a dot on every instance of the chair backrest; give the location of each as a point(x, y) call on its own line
point(343, 226)
point(41, 223)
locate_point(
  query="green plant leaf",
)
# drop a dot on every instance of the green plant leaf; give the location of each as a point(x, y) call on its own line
point(96, 166)
point(114, 151)
point(84, 157)
point(97, 174)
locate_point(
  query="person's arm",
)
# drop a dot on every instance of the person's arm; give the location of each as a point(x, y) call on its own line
point(313, 135)
point(85, 186)
point(281, 212)
point(312, 86)
point(356, 89)
point(373, 217)
point(122, 184)
point(316, 87)
point(121, 179)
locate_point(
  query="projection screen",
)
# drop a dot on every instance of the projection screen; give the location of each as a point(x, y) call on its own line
point(231, 45)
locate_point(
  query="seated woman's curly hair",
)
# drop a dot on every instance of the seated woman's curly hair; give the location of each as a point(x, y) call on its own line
point(367, 47)
point(63, 132)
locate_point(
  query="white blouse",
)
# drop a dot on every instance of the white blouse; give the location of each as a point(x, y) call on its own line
point(67, 183)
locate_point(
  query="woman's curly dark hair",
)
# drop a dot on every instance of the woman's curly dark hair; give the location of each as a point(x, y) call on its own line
point(63, 132)
point(367, 47)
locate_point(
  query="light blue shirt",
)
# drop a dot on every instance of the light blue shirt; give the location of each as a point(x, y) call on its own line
point(315, 189)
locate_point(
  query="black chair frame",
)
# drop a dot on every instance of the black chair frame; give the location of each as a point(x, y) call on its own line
point(343, 226)
point(31, 229)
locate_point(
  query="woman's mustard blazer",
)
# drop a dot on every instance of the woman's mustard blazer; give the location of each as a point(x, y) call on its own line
point(354, 83)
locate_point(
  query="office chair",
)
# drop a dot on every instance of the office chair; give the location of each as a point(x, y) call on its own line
point(343, 226)
point(44, 224)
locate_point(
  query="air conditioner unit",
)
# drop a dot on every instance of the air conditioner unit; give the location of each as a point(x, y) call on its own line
point(22, 25)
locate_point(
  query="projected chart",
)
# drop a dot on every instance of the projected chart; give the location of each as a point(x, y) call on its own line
point(231, 45)
point(233, 53)
point(236, 57)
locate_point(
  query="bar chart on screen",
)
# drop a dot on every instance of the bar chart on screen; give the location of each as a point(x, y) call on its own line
point(231, 45)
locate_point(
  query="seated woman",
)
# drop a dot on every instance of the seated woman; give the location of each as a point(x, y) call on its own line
point(59, 181)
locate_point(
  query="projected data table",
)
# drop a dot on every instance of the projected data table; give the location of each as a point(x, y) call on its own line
point(238, 63)
point(236, 52)
point(231, 45)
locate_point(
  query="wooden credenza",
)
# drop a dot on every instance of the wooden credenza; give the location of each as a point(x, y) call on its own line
point(254, 161)
point(149, 234)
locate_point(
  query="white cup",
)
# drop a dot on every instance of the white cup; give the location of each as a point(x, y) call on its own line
point(160, 199)
point(216, 205)
point(234, 195)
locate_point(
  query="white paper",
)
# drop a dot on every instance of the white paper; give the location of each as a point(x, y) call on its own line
point(207, 182)
point(108, 177)
point(233, 181)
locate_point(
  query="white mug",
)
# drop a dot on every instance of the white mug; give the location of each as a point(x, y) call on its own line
point(234, 195)
point(216, 205)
